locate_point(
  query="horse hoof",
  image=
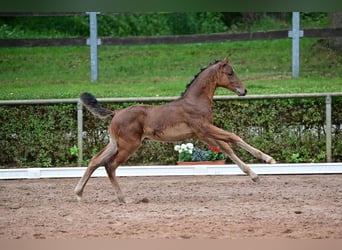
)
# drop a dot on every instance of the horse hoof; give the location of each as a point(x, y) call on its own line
point(256, 179)
point(271, 161)
point(78, 198)
point(122, 201)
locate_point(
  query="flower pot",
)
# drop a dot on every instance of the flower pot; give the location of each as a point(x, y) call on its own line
point(218, 162)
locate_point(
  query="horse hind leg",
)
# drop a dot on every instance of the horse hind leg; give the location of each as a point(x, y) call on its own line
point(123, 153)
point(100, 159)
point(111, 172)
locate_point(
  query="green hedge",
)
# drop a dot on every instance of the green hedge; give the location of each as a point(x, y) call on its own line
point(37, 135)
point(291, 130)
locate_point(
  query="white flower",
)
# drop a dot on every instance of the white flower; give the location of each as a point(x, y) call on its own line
point(190, 146)
point(183, 147)
point(190, 151)
point(177, 148)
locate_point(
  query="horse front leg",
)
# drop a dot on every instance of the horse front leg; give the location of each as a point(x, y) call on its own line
point(255, 152)
point(244, 167)
point(221, 138)
point(228, 137)
point(230, 153)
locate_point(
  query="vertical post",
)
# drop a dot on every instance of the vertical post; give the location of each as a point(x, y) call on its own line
point(328, 127)
point(93, 41)
point(80, 133)
point(295, 33)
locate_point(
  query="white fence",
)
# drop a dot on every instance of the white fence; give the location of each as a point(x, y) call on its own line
point(261, 169)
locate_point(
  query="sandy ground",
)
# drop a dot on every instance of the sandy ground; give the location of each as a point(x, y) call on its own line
point(179, 207)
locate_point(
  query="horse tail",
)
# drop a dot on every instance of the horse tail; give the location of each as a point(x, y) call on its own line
point(90, 102)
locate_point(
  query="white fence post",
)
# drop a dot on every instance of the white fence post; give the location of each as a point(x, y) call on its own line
point(80, 133)
point(93, 41)
point(328, 127)
point(295, 33)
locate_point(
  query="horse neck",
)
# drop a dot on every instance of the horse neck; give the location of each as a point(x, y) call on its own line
point(204, 85)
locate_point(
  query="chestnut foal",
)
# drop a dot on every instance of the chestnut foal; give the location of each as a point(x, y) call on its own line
point(190, 116)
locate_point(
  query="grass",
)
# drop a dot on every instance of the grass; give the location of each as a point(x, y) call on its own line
point(164, 70)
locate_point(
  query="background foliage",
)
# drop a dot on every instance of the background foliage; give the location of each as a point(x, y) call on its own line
point(291, 130)
point(130, 24)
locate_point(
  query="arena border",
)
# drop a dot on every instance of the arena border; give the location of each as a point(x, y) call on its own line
point(173, 170)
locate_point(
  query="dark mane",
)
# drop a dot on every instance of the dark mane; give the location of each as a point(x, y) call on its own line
point(195, 76)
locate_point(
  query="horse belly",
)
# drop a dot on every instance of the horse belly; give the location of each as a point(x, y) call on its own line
point(172, 133)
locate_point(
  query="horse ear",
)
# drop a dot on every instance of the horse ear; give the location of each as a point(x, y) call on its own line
point(226, 60)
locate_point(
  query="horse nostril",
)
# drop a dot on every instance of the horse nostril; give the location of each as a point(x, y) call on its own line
point(243, 93)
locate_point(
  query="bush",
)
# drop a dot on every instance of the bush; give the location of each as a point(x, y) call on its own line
point(37, 135)
point(291, 130)
point(113, 25)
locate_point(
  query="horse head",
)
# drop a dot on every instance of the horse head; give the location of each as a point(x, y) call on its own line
point(228, 78)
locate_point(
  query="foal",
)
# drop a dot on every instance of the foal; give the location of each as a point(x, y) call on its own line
point(190, 116)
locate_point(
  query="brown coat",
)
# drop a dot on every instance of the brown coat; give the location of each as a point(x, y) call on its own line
point(190, 116)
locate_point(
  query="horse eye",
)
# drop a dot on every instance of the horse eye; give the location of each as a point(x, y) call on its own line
point(230, 73)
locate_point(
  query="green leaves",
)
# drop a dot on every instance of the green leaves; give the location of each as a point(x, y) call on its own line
point(290, 130)
point(37, 135)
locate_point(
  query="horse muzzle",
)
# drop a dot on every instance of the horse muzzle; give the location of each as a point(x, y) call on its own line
point(241, 92)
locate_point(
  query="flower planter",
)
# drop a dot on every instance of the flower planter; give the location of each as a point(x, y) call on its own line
point(219, 162)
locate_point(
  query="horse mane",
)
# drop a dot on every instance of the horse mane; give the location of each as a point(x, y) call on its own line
point(195, 76)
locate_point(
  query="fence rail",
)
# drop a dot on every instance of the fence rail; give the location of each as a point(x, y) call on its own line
point(174, 39)
point(328, 103)
point(174, 170)
point(169, 98)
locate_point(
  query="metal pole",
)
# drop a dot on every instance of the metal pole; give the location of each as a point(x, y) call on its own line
point(295, 34)
point(93, 41)
point(80, 133)
point(328, 125)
